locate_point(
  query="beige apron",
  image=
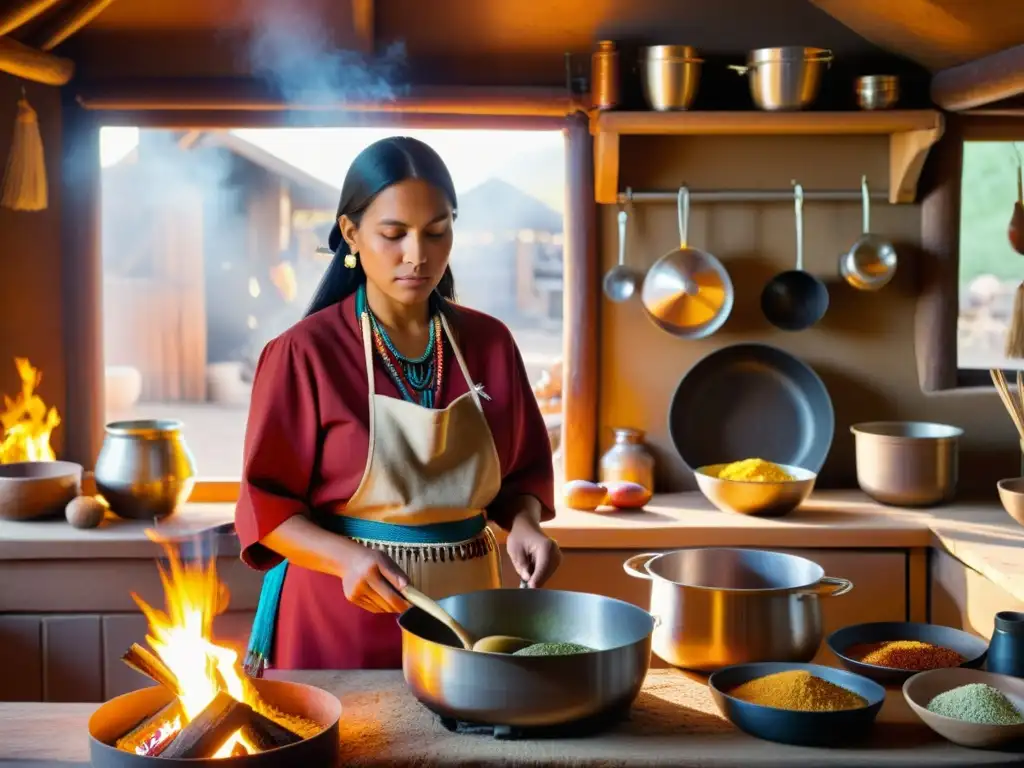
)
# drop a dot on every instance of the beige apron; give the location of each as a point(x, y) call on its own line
point(428, 466)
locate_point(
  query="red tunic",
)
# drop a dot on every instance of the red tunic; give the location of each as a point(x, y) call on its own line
point(306, 443)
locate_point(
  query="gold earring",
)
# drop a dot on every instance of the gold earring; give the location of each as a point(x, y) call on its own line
point(350, 260)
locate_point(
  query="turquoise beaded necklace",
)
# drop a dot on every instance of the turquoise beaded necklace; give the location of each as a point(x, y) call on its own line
point(418, 379)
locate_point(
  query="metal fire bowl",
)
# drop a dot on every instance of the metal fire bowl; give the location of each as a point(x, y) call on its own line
point(118, 716)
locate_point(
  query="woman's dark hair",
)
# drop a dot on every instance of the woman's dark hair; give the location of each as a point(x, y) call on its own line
point(381, 165)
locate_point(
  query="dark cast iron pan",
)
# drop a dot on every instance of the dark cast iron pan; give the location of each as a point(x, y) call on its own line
point(752, 401)
point(794, 300)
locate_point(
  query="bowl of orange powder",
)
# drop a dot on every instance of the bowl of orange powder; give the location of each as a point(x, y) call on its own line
point(755, 487)
point(890, 652)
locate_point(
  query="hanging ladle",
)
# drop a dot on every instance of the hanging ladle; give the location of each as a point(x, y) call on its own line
point(620, 282)
point(871, 263)
point(1016, 230)
point(795, 299)
point(488, 644)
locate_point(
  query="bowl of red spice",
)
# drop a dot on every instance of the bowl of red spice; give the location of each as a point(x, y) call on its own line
point(890, 652)
point(793, 703)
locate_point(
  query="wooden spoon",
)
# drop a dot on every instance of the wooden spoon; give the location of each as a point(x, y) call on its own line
point(489, 644)
point(1016, 230)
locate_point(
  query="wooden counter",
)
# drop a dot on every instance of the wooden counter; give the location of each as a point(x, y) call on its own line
point(674, 722)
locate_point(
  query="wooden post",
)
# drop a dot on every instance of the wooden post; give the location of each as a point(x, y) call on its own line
point(580, 368)
point(82, 284)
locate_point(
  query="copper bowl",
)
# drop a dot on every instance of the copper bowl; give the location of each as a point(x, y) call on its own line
point(30, 490)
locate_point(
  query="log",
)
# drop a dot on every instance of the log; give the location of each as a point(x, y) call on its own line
point(147, 729)
point(980, 82)
point(66, 27)
point(208, 731)
point(29, 64)
point(23, 12)
point(146, 663)
point(263, 733)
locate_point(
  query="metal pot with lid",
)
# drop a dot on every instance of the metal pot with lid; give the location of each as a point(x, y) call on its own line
point(786, 78)
point(717, 607)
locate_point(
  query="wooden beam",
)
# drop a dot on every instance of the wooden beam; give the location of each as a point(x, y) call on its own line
point(74, 21)
point(990, 78)
point(22, 12)
point(582, 287)
point(29, 64)
point(363, 25)
point(249, 96)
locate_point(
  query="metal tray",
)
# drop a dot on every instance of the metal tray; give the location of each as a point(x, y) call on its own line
point(752, 401)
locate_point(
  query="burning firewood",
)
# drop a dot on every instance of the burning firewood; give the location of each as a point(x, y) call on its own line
point(262, 732)
point(208, 732)
point(152, 735)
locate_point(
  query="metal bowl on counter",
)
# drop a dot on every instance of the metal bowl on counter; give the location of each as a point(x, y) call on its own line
point(786, 78)
point(907, 463)
point(670, 75)
point(145, 470)
point(528, 691)
point(756, 497)
point(717, 607)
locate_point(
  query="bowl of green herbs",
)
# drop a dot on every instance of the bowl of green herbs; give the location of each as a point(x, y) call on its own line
point(969, 707)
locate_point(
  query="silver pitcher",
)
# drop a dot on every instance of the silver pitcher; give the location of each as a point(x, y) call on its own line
point(145, 470)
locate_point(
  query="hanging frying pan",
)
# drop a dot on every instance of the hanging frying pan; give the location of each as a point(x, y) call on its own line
point(687, 292)
point(794, 300)
point(752, 401)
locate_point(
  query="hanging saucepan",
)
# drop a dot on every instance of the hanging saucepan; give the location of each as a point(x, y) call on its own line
point(687, 292)
point(794, 300)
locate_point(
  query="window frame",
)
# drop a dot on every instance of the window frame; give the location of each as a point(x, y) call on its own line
point(938, 305)
point(81, 263)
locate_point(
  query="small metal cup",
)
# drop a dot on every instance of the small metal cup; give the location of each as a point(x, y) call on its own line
point(877, 91)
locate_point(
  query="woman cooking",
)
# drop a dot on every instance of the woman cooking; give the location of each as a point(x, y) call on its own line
point(385, 429)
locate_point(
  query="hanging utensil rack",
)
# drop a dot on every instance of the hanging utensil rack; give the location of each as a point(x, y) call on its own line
point(748, 196)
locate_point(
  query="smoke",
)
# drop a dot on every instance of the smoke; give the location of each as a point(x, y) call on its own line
point(293, 53)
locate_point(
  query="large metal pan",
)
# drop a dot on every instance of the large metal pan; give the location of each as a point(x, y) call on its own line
point(752, 400)
point(687, 292)
point(525, 691)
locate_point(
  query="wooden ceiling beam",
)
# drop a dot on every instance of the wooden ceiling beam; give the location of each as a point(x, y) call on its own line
point(67, 26)
point(29, 64)
point(363, 25)
point(980, 82)
point(21, 12)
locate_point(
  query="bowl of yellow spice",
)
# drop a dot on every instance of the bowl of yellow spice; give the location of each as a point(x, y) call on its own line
point(755, 486)
point(792, 703)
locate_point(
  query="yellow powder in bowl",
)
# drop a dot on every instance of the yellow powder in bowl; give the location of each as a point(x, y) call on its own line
point(755, 470)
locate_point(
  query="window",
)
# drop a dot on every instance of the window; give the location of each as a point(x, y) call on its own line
point(209, 244)
point(990, 270)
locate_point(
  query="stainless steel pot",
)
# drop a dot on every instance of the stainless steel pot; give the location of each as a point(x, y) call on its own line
point(907, 463)
point(718, 607)
point(877, 91)
point(670, 75)
point(144, 469)
point(786, 78)
point(533, 690)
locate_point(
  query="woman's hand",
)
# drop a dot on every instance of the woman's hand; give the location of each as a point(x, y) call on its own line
point(372, 580)
point(533, 553)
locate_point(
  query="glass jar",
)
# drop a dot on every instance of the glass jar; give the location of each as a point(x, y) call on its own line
point(628, 460)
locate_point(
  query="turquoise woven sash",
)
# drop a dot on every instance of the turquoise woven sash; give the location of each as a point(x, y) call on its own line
point(261, 640)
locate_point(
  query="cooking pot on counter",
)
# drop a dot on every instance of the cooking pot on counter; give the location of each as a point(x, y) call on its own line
point(527, 691)
point(717, 607)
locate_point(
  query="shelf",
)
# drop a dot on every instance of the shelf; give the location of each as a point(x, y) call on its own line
point(911, 135)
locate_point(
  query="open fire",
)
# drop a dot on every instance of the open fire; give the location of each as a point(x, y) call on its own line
point(216, 711)
point(27, 422)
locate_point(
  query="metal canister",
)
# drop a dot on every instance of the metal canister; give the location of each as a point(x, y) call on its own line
point(628, 460)
point(604, 75)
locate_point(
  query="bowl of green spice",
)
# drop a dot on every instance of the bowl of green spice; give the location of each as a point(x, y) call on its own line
point(969, 707)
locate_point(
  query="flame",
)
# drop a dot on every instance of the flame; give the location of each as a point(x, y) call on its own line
point(182, 636)
point(26, 421)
